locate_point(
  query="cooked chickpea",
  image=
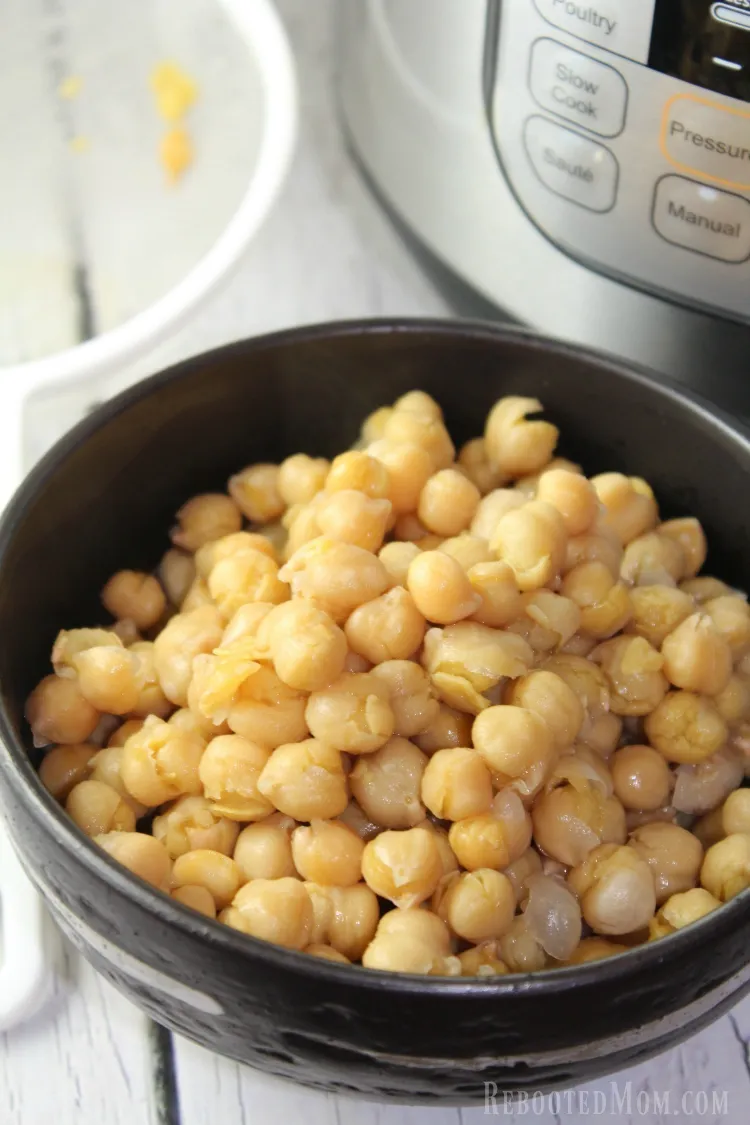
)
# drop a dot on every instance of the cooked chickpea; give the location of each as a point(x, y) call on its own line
point(307, 647)
point(275, 910)
point(652, 559)
point(478, 905)
point(160, 762)
point(546, 621)
point(735, 813)
point(468, 550)
point(629, 506)
point(338, 577)
point(703, 589)
point(495, 839)
point(206, 517)
point(468, 659)
point(440, 588)
point(549, 697)
point(353, 714)
point(305, 780)
point(353, 919)
point(409, 467)
point(514, 444)
point(419, 403)
point(456, 784)
point(404, 867)
point(411, 941)
point(106, 766)
point(520, 949)
point(97, 809)
point(190, 824)
point(495, 583)
point(474, 461)
point(229, 772)
point(689, 536)
point(390, 627)
point(404, 426)
point(122, 733)
point(657, 611)
point(726, 867)
point(696, 656)
point(135, 595)
point(197, 898)
point(483, 961)
point(151, 698)
point(218, 873)
point(673, 854)
point(531, 540)
point(685, 727)
point(574, 497)
point(448, 503)
point(641, 777)
point(616, 890)
point(180, 641)
point(517, 745)
point(328, 853)
point(387, 784)
point(448, 728)
point(141, 854)
point(595, 949)
point(522, 870)
point(570, 822)
point(408, 529)
point(197, 597)
point(177, 574)
point(211, 554)
point(528, 485)
point(733, 703)
point(411, 696)
point(353, 517)
point(245, 577)
point(64, 767)
point(264, 851)
point(108, 677)
point(599, 545)
point(301, 526)
point(634, 673)
point(300, 478)
point(683, 909)
point(604, 603)
point(730, 615)
point(255, 491)
point(360, 472)
point(397, 558)
point(267, 711)
point(58, 712)
point(492, 508)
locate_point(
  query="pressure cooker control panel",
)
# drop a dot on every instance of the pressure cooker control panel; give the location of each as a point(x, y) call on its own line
point(623, 127)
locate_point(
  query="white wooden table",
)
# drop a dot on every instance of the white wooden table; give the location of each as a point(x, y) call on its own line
point(90, 1058)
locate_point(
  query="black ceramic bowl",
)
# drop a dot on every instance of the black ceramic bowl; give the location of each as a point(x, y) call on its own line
point(105, 497)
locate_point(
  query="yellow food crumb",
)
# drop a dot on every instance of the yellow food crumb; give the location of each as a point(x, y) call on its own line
point(70, 87)
point(79, 144)
point(176, 151)
point(173, 89)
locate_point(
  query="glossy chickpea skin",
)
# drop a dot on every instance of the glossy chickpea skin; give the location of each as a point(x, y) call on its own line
point(595, 949)
point(689, 535)
point(673, 854)
point(616, 890)
point(429, 433)
point(629, 506)
point(229, 771)
point(176, 574)
point(448, 503)
point(264, 850)
point(440, 588)
point(387, 784)
point(641, 777)
point(652, 558)
point(467, 660)
point(305, 780)
point(682, 910)
point(474, 461)
point(390, 627)
point(328, 853)
point(307, 647)
point(135, 595)
point(574, 497)
point(697, 657)
point(338, 577)
point(404, 867)
point(656, 611)
point(255, 491)
point(301, 478)
point(411, 696)
point(634, 672)
point(97, 809)
point(495, 839)
point(275, 910)
point(570, 822)
point(548, 696)
point(57, 712)
point(492, 508)
point(516, 744)
point(63, 767)
point(483, 961)
point(409, 467)
point(449, 728)
point(531, 540)
point(218, 873)
point(353, 517)
point(726, 867)
point(515, 445)
point(141, 854)
point(191, 824)
point(685, 728)
point(478, 905)
point(397, 558)
point(495, 583)
point(456, 783)
point(604, 603)
point(206, 517)
point(730, 616)
point(160, 763)
point(182, 639)
point(411, 941)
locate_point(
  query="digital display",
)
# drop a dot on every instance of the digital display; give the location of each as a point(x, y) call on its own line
point(704, 43)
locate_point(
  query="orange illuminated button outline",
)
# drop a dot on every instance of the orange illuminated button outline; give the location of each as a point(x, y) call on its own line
point(689, 167)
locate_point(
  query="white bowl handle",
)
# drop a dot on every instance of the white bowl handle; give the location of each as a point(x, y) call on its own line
point(26, 932)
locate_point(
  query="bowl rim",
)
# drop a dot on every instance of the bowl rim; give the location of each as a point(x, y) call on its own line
point(27, 789)
point(259, 27)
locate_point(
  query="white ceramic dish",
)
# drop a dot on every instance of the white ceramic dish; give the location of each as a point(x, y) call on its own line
point(26, 938)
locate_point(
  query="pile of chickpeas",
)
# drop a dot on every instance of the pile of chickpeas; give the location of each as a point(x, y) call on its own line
point(460, 714)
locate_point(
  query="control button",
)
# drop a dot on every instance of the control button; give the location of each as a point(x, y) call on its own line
point(707, 139)
point(622, 26)
point(571, 165)
point(702, 218)
point(584, 91)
